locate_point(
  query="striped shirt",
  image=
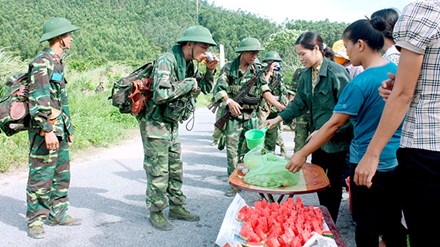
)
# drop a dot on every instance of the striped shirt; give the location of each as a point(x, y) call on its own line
point(418, 30)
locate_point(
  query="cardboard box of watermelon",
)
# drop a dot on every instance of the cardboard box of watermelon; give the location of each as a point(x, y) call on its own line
point(289, 223)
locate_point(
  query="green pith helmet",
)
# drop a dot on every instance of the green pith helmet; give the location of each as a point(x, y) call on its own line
point(55, 27)
point(197, 34)
point(249, 44)
point(272, 56)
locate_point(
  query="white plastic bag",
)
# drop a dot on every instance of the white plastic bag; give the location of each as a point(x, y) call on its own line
point(321, 241)
point(231, 226)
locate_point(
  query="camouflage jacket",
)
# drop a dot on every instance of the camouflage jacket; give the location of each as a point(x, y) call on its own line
point(47, 91)
point(279, 91)
point(232, 80)
point(174, 78)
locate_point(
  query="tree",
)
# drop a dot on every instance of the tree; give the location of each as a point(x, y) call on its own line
point(284, 43)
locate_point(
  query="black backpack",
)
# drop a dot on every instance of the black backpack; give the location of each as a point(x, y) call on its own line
point(14, 109)
point(130, 93)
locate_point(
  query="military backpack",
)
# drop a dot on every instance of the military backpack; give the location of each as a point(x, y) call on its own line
point(130, 93)
point(14, 109)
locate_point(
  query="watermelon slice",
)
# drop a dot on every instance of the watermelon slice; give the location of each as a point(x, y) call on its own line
point(328, 233)
point(272, 242)
point(253, 244)
point(289, 223)
point(244, 211)
point(246, 231)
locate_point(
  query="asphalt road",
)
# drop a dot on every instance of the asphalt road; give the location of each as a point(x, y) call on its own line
point(108, 193)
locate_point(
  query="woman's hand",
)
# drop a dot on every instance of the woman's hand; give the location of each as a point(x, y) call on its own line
point(296, 162)
point(365, 170)
point(386, 87)
point(273, 122)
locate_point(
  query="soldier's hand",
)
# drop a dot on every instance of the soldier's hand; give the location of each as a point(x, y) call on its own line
point(70, 139)
point(51, 140)
point(195, 86)
point(234, 108)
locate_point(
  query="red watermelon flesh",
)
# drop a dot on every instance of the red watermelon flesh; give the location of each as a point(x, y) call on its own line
point(285, 224)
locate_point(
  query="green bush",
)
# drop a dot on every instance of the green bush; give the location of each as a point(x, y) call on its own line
point(13, 151)
point(97, 123)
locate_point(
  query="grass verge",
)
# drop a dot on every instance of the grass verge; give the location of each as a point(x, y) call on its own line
point(97, 123)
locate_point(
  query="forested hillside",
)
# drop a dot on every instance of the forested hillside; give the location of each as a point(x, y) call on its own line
point(134, 31)
point(117, 33)
point(123, 29)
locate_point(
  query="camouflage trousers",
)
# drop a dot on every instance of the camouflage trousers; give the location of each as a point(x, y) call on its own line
point(48, 181)
point(217, 132)
point(236, 146)
point(216, 135)
point(273, 138)
point(301, 131)
point(162, 164)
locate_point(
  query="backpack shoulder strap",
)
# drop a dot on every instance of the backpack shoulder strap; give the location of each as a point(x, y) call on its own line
point(171, 56)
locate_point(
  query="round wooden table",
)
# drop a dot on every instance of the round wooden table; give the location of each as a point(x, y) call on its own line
point(313, 179)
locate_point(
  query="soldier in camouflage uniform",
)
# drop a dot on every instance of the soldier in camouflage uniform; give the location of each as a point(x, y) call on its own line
point(302, 123)
point(244, 117)
point(276, 84)
point(50, 133)
point(176, 81)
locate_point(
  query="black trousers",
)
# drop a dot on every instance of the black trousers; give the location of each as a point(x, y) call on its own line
point(334, 165)
point(419, 187)
point(377, 211)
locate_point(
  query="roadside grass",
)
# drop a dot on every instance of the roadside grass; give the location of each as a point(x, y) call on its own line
point(97, 123)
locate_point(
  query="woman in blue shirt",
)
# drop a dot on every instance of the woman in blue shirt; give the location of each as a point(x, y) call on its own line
point(375, 209)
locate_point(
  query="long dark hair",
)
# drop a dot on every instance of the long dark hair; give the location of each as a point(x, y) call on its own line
point(389, 17)
point(311, 39)
point(370, 31)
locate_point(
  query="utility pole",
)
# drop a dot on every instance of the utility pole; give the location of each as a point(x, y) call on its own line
point(222, 55)
point(197, 11)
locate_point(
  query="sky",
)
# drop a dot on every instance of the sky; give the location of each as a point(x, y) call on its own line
point(312, 10)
